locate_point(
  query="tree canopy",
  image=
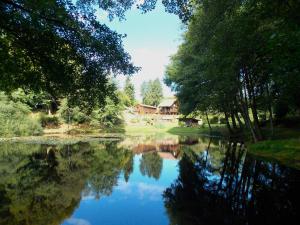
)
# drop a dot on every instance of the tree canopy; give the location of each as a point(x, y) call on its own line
point(152, 92)
point(57, 54)
point(129, 91)
point(239, 58)
point(59, 47)
point(151, 165)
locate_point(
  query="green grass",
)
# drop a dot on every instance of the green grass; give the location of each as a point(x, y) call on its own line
point(281, 133)
point(172, 128)
point(216, 131)
point(185, 130)
point(286, 151)
point(146, 129)
point(282, 146)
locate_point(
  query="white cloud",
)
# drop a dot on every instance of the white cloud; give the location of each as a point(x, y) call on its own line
point(77, 221)
point(142, 190)
point(152, 62)
point(153, 192)
point(124, 187)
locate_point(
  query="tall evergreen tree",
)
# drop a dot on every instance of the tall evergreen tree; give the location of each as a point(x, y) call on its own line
point(157, 92)
point(129, 90)
point(152, 92)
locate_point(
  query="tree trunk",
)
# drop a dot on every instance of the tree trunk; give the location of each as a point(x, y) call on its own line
point(270, 110)
point(233, 120)
point(255, 119)
point(241, 125)
point(208, 122)
point(227, 123)
point(245, 113)
point(250, 89)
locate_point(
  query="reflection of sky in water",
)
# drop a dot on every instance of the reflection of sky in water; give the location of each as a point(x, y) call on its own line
point(139, 201)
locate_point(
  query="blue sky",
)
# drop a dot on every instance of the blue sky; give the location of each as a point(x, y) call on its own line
point(151, 39)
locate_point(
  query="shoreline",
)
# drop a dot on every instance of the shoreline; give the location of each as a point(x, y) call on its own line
point(285, 150)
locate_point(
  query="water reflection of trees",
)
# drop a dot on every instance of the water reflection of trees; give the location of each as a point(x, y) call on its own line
point(237, 190)
point(43, 184)
point(104, 175)
point(151, 165)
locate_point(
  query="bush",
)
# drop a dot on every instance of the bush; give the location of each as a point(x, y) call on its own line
point(72, 115)
point(222, 120)
point(95, 123)
point(281, 109)
point(16, 121)
point(181, 124)
point(107, 116)
point(214, 120)
point(49, 121)
point(110, 115)
point(262, 117)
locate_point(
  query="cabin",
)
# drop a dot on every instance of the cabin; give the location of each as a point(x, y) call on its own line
point(143, 148)
point(145, 109)
point(168, 107)
point(167, 155)
point(189, 122)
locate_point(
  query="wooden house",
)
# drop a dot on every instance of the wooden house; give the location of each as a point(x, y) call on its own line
point(145, 109)
point(168, 107)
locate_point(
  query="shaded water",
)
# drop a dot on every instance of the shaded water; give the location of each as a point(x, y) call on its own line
point(144, 180)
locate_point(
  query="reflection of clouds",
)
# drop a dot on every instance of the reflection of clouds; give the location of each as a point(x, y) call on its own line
point(143, 190)
point(124, 187)
point(77, 221)
point(88, 197)
point(152, 191)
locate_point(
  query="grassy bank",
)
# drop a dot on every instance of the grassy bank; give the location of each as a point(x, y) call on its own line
point(168, 128)
point(82, 129)
point(173, 128)
point(282, 146)
point(286, 151)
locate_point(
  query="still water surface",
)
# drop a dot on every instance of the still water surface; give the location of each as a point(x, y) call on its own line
point(144, 181)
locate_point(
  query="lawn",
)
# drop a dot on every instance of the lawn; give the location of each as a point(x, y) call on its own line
point(171, 128)
point(286, 151)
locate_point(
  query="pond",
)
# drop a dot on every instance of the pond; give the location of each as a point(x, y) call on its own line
point(149, 180)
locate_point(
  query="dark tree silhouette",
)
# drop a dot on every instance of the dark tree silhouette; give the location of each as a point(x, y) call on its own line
point(242, 191)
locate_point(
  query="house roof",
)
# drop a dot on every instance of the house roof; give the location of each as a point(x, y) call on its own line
point(188, 119)
point(167, 102)
point(147, 106)
point(166, 155)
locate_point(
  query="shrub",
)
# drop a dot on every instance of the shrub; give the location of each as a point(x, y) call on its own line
point(281, 109)
point(214, 120)
point(95, 123)
point(107, 116)
point(49, 121)
point(222, 120)
point(110, 115)
point(181, 124)
point(16, 121)
point(72, 115)
point(262, 117)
